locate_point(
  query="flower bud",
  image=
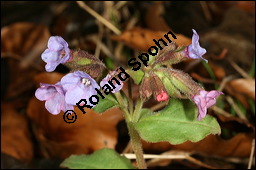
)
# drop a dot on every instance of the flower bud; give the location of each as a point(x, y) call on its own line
point(183, 82)
point(145, 88)
point(152, 84)
point(83, 61)
point(170, 54)
point(170, 88)
point(163, 96)
point(156, 85)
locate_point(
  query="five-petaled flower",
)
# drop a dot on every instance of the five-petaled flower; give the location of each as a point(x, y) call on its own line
point(79, 85)
point(194, 50)
point(54, 97)
point(205, 100)
point(56, 53)
point(117, 84)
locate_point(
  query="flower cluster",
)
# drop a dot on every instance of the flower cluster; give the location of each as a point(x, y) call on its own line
point(74, 86)
point(162, 82)
point(157, 80)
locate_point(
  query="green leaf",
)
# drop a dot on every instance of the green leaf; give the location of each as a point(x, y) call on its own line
point(104, 104)
point(136, 75)
point(176, 124)
point(101, 159)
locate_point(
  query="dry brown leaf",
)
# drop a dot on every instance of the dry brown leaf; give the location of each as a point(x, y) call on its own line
point(155, 13)
point(90, 132)
point(218, 71)
point(238, 146)
point(141, 39)
point(15, 135)
point(24, 39)
point(248, 6)
point(242, 89)
point(22, 44)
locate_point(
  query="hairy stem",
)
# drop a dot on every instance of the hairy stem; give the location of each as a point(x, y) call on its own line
point(137, 111)
point(137, 146)
point(123, 106)
point(130, 97)
point(134, 135)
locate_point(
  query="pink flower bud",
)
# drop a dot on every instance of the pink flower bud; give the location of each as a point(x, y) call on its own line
point(163, 96)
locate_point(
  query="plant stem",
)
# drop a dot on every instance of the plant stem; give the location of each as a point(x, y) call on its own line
point(137, 146)
point(123, 106)
point(130, 97)
point(134, 135)
point(137, 111)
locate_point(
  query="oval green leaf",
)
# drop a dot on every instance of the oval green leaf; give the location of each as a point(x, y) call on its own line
point(101, 159)
point(176, 124)
point(104, 104)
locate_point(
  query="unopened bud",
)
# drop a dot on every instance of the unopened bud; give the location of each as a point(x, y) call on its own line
point(145, 88)
point(83, 61)
point(170, 54)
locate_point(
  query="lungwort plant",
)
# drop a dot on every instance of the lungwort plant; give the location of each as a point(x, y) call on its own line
point(179, 121)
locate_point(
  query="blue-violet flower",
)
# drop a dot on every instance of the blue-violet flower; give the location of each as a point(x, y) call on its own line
point(79, 85)
point(104, 81)
point(194, 50)
point(56, 53)
point(54, 97)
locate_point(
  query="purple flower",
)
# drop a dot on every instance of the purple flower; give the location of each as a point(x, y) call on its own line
point(117, 86)
point(54, 97)
point(56, 53)
point(194, 50)
point(205, 100)
point(78, 85)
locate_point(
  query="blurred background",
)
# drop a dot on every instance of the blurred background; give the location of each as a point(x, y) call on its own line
point(116, 31)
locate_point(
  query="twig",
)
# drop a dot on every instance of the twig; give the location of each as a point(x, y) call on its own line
point(19, 58)
point(152, 156)
point(206, 10)
point(239, 69)
point(171, 155)
point(104, 49)
point(202, 79)
point(236, 108)
point(100, 35)
point(128, 148)
point(200, 163)
point(220, 111)
point(224, 82)
point(102, 46)
point(120, 4)
point(251, 155)
point(99, 17)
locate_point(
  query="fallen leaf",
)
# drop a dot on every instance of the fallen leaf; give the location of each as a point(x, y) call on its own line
point(25, 40)
point(238, 146)
point(218, 71)
point(21, 45)
point(141, 39)
point(90, 132)
point(248, 6)
point(155, 13)
point(241, 89)
point(15, 135)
